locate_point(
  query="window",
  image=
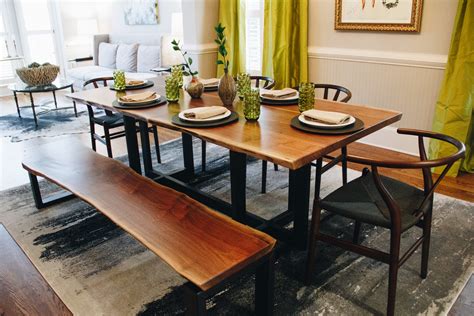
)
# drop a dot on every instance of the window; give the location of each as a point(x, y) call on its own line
point(254, 36)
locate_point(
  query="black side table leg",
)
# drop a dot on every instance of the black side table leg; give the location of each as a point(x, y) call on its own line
point(74, 102)
point(33, 108)
point(16, 102)
point(55, 101)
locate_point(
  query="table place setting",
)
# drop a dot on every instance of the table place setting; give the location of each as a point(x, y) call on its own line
point(206, 116)
point(326, 122)
point(139, 100)
point(286, 96)
point(121, 83)
point(211, 84)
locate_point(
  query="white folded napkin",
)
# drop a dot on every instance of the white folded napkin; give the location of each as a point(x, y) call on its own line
point(209, 82)
point(326, 117)
point(137, 97)
point(284, 93)
point(134, 82)
point(205, 112)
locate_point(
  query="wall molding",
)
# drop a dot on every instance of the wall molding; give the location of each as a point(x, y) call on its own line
point(430, 61)
point(388, 135)
point(201, 49)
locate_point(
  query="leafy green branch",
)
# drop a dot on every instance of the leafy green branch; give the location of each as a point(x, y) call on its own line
point(187, 60)
point(221, 41)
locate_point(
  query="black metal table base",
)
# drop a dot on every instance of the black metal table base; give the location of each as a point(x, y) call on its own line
point(299, 189)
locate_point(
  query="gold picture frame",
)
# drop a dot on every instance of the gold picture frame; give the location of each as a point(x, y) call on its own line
point(374, 15)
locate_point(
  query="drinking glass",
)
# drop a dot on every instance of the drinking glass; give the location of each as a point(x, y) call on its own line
point(306, 99)
point(172, 88)
point(243, 84)
point(252, 104)
point(177, 72)
point(119, 80)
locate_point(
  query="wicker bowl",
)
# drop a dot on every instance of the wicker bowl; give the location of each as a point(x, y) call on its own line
point(39, 76)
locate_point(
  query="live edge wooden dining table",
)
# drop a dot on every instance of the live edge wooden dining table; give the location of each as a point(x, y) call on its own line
point(271, 138)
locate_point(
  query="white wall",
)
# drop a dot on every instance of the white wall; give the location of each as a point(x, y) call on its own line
point(109, 15)
point(399, 71)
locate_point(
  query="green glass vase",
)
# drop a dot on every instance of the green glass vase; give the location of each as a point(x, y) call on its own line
point(177, 73)
point(119, 80)
point(172, 89)
point(252, 105)
point(306, 98)
point(243, 84)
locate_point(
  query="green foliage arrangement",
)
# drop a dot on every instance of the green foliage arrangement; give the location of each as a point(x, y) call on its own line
point(221, 41)
point(187, 60)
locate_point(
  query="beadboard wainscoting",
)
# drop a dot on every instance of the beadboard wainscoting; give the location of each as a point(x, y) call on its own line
point(408, 83)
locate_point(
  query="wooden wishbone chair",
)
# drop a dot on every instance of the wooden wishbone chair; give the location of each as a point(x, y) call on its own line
point(330, 91)
point(385, 202)
point(111, 120)
point(257, 82)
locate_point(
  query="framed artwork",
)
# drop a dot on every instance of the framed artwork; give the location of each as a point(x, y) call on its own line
point(379, 15)
point(141, 12)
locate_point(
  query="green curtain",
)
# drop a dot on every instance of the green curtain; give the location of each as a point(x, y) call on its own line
point(454, 109)
point(232, 17)
point(285, 41)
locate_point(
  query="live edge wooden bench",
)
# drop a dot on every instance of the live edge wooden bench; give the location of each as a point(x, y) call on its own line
point(205, 247)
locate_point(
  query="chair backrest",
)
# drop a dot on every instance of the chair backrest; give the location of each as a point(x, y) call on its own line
point(96, 81)
point(424, 164)
point(335, 91)
point(268, 83)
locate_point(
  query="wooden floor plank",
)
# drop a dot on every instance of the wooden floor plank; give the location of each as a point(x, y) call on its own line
point(23, 291)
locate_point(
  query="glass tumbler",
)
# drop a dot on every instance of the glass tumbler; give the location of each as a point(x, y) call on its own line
point(306, 99)
point(119, 80)
point(172, 89)
point(252, 104)
point(177, 72)
point(243, 84)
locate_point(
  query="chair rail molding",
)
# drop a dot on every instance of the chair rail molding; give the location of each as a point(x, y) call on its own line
point(431, 61)
point(201, 49)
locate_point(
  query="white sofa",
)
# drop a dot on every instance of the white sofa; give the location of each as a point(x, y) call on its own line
point(136, 55)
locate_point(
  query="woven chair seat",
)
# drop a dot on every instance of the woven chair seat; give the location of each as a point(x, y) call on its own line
point(360, 200)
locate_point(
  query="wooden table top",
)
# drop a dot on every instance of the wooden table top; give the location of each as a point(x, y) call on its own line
point(270, 138)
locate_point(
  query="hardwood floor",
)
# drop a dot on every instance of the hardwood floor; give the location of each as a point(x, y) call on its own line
point(23, 291)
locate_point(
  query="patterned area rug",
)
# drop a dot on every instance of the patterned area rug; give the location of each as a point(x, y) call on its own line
point(97, 269)
point(51, 124)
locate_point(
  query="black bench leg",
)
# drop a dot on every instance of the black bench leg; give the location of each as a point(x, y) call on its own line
point(36, 191)
point(53, 199)
point(264, 279)
point(195, 300)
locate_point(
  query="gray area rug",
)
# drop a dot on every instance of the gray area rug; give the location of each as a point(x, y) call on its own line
point(55, 123)
point(97, 269)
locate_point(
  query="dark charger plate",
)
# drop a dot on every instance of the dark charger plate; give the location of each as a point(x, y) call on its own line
point(149, 104)
point(278, 102)
point(357, 126)
point(230, 119)
point(147, 84)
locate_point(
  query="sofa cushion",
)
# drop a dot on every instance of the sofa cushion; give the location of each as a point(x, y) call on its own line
point(107, 55)
point(148, 57)
point(127, 57)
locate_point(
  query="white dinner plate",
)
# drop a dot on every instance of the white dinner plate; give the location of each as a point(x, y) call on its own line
point(303, 120)
point(157, 96)
point(292, 98)
point(209, 119)
point(143, 82)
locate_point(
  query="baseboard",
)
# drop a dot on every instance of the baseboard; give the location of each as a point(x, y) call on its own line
point(388, 138)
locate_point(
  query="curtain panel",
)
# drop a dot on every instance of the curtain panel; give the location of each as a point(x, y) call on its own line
point(285, 44)
point(232, 17)
point(454, 108)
